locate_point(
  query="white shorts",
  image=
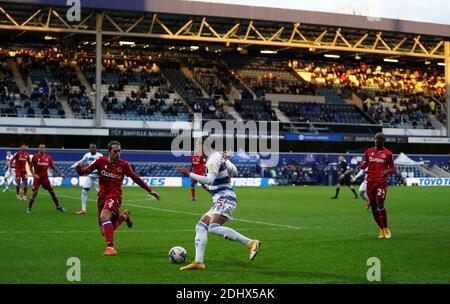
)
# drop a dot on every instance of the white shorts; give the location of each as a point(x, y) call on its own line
point(363, 186)
point(10, 173)
point(90, 182)
point(224, 203)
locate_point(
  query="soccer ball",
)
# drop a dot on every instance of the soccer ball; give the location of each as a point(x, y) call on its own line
point(177, 255)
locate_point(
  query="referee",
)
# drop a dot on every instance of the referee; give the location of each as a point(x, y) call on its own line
point(345, 177)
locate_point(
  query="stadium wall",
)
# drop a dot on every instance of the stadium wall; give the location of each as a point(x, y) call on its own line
point(276, 98)
point(166, 157)
point(160, 141)
point(73, 155)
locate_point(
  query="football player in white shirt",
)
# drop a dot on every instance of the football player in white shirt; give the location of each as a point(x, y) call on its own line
point(363, 187)
point(218, 179)
point(10, 171)
point(92, 179)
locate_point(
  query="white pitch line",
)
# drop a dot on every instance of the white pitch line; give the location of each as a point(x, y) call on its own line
point(94, 200)
point(121, 231)
point(199, 214)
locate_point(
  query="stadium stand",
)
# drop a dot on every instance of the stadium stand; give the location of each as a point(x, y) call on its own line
point(329, 113)
point(159, 90)
point(381, 88)
point(445, 166)
point(255, 110)
point(188, 90)
point(210, 108)
point(137, 92)
point(407, 111)
point(264, 75)
point(10, 96)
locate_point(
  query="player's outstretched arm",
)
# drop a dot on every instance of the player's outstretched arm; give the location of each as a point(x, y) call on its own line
point(129, 172)
point(359, 172)
point(155, 195)
point(75, 165)
point(181, 169)
point(89, 169)
point(226, 155)
point(365, 163)
point(59, 171)
point(80, 162)
point(231, 168)
point(207, 180)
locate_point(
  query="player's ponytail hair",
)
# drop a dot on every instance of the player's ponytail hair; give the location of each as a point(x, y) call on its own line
point(113, 143)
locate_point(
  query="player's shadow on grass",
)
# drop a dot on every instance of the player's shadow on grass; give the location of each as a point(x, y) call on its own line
point(148, 254)
point(324, 278)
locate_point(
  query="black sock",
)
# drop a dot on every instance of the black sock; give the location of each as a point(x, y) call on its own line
point(354, 192)
point(337, 192)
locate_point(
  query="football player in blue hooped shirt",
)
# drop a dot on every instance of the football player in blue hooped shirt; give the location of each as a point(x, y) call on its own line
point(92, 179)
point(220, 169)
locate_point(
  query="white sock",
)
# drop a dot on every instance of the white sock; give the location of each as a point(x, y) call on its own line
point(201, 237)
point(84, 198)
point(228, 233)
point(364, 196)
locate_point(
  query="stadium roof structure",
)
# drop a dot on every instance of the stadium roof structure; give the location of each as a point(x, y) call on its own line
point(230, 24)
point(191, 21)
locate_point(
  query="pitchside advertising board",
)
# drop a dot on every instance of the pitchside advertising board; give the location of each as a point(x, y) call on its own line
point(156, 181)
point(428, 181)
point(236, 182)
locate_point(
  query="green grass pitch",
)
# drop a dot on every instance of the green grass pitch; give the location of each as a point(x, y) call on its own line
point(306, 238)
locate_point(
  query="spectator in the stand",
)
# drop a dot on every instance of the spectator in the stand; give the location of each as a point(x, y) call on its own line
point(220, 102)
point(197, 108)
point(273, 115)
point(45, 112)
point(30, 112)
point(212, 108)
point(367, 104)
point(398, 179)
point(445, 166)
point(432, 105)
